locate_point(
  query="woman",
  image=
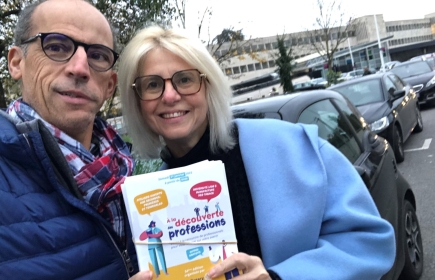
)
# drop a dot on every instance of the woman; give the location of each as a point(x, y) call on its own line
point(308, 217)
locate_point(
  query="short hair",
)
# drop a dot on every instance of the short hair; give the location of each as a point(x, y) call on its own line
point(25, 21)
point(218, 92)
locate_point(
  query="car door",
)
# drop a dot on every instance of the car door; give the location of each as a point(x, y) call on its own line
point(408, 104)
point(341, 125)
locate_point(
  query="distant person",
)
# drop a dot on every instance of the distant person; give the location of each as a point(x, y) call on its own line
point(367, 71)
point(300, 209)
point(273, 92)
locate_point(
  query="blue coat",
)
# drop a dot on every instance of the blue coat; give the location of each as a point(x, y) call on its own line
point(47, 232)
point(315, 217)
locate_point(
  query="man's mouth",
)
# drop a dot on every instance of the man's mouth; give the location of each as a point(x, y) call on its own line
point(173, 115)
point(69, 94)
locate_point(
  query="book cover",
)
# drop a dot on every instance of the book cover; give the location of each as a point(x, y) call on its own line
point(181, 220)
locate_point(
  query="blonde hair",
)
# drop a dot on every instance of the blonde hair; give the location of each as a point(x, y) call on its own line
point(146, 142)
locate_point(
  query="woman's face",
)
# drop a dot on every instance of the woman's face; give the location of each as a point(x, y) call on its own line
point(180, 119)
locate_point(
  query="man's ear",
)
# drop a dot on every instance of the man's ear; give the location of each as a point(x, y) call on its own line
point(15, 56)
point(111, 87)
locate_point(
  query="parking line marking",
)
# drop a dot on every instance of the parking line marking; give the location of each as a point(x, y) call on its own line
point(426, 145)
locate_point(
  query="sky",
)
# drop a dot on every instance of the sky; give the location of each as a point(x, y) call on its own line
point(272, 17)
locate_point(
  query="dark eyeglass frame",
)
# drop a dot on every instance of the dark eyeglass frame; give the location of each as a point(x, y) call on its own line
point(76, 44)
point(136, 90)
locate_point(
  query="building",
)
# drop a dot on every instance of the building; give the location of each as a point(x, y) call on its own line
point(400, 40)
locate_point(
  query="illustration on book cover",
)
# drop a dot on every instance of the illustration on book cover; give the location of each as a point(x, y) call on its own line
point(181, 220)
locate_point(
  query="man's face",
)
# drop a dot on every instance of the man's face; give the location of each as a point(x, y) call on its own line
point(66, 94)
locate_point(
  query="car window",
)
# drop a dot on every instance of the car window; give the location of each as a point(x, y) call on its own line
point(332, 127)
point(389, 83)
point(357, 122)
point(411, 69)
point(362, 92)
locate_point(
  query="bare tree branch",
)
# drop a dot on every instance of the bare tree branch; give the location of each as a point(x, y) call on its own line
point(330, 30)
point(180, 9)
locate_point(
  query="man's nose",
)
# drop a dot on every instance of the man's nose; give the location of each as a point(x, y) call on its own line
point(78, 65)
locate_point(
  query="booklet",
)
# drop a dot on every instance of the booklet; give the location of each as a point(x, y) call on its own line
point(181, 220)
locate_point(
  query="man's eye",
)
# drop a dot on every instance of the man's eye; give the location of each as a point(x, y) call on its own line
point(56, 48)
point(98, 56)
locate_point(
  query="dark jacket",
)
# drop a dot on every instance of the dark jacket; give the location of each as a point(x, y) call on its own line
point(46, 231)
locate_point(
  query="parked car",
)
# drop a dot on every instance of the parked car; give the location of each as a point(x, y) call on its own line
point(352, 75)
point(421, 76)
point(388, 66)
point(430, 58)
point(319, 81)
point(389, 106)
point(307, 86)
point(341, 124)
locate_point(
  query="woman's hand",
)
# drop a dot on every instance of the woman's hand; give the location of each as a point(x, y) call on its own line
point(252, 267)
point(142, 275)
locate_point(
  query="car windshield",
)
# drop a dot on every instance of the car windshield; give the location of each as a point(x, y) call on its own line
point(412, 69)
point(363, 92)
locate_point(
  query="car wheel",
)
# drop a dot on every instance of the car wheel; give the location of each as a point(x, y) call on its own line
point(413, 268)
point(398, 145)
point(419, 126)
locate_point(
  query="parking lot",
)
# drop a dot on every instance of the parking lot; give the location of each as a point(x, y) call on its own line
point(418, 168)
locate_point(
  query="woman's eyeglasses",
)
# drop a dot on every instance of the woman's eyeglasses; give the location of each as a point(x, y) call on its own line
point(185, 82)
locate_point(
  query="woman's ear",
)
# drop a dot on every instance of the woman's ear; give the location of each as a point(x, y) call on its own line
point(15, 57)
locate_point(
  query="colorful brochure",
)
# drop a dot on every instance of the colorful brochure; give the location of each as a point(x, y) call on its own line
point(181, 220)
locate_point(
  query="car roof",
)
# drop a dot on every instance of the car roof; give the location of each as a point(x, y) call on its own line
point(409, 62)
point(275, 103)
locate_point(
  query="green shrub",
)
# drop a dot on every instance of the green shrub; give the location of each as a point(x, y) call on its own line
point(143, 165)
point(146, 166)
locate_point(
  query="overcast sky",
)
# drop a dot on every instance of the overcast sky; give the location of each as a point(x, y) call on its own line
point(272, 17)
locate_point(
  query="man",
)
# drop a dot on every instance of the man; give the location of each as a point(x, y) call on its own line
point(60, 167)
point(367, 71)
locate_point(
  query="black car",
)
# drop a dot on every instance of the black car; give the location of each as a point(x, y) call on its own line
point(421, 76)
point(341, 124)
point(388, 105)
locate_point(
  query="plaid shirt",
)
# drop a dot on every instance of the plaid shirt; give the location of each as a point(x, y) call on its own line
point(99, 177)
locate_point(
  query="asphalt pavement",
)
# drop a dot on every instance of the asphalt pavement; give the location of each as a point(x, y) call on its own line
point(419, 169)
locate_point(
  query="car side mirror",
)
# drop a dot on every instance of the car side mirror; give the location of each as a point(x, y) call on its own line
point(398, 94)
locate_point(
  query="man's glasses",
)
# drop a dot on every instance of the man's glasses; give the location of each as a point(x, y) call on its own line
point(59, 47)
point(151, 87)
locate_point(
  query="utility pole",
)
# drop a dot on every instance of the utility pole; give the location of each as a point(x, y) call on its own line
point(381, 53)
point(350, 51)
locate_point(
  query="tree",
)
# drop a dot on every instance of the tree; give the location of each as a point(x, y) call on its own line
point(228, 44)
point(229, 35)
point(9, 11)
point(284, 62)
point(128, 17)
point(330, 30)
